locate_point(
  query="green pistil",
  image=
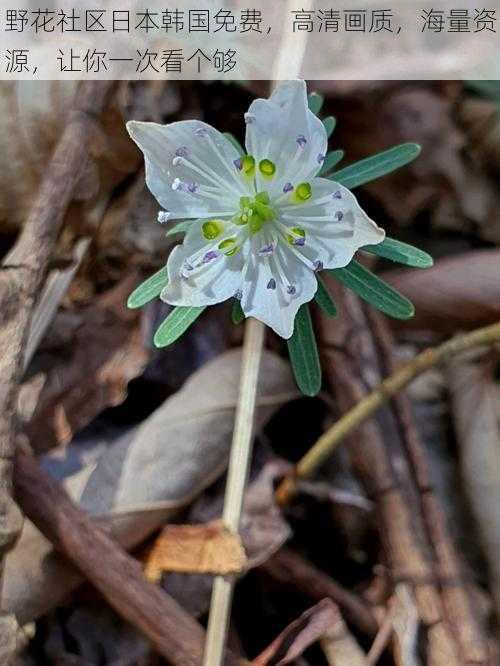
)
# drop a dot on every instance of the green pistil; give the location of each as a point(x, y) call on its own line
point(212, 228)
point(302, 193)
point(267, 168)
point(255, 212)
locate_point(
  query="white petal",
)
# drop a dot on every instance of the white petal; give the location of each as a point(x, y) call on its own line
point(190, 168)
point(335, 224)
point(266, 294)
point(284, 130)
point(196, 281)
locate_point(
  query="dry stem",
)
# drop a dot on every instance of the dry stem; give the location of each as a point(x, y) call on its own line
point(239, 463)
point(326, 444)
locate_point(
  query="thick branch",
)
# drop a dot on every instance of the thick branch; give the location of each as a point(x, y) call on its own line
point(177, 636)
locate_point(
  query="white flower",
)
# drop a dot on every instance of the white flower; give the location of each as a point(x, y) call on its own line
point(263, 224)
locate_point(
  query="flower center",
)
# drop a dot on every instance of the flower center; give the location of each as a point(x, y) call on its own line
point(255, 212)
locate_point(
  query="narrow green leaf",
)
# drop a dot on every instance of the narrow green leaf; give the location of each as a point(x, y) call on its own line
point(401, 253)
point(374, 290)
point(329, 124)
point(331, 161)
point(235, 142)
point(315, 101)
point(376, 166)
point(148, 290)
point(180, 228)
point(324, 300)
point(177, 323)
point(304, 354)
point(237, 314)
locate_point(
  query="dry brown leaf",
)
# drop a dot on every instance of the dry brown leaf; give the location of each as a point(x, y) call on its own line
point(146, 476)
point(459, 292)
point(85, 365)
point(322, 621)
point(207, 548)
point(475, 401)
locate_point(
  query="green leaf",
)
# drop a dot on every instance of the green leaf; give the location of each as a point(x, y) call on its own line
point(180, 228)
point(235, 142)
point(177, 323)
point(148, 290)
point(376, 166)
point(315, 101)
point(237, 314)
point(331, 161)
point(329, 124)
point(304, 354)
point(324, 300)
point(401, 253)
point(374, 290)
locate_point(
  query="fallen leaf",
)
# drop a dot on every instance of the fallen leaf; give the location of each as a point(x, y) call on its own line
point(321, 622)
point(86, 361)
point(475, 403)
point(459, 292)
point(206, 548)
point(146, 476)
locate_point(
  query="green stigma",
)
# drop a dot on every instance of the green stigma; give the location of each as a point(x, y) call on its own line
point(267, 168)
point(212, 229)
point(302, 192)
point(229, 247)
point(248, 165)
point(255, 212)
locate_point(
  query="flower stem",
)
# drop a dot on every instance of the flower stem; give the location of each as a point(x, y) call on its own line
point(239, 464)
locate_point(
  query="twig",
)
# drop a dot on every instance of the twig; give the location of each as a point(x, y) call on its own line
point(239, 463)
point(327, 443)
point(460, 602)
point(22, 274)
point(289, 567)
point(352, 368)
point(174, 633)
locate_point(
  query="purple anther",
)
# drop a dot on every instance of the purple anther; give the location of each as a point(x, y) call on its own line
point(339, 215)
point(300, 241)
point(318, 265)
point(182, 152)
point(288, 188)
point(291, 290)
point(238, 163)
point(192, 188)
point(321, 158)
point(302, 141)
point(210, 256)
point(337, 194)
point(271, 284)
point(266, 250)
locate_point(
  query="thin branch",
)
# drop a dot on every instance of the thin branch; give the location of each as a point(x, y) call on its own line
point(429, 358)
point(458, 595)
point(239, 464)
